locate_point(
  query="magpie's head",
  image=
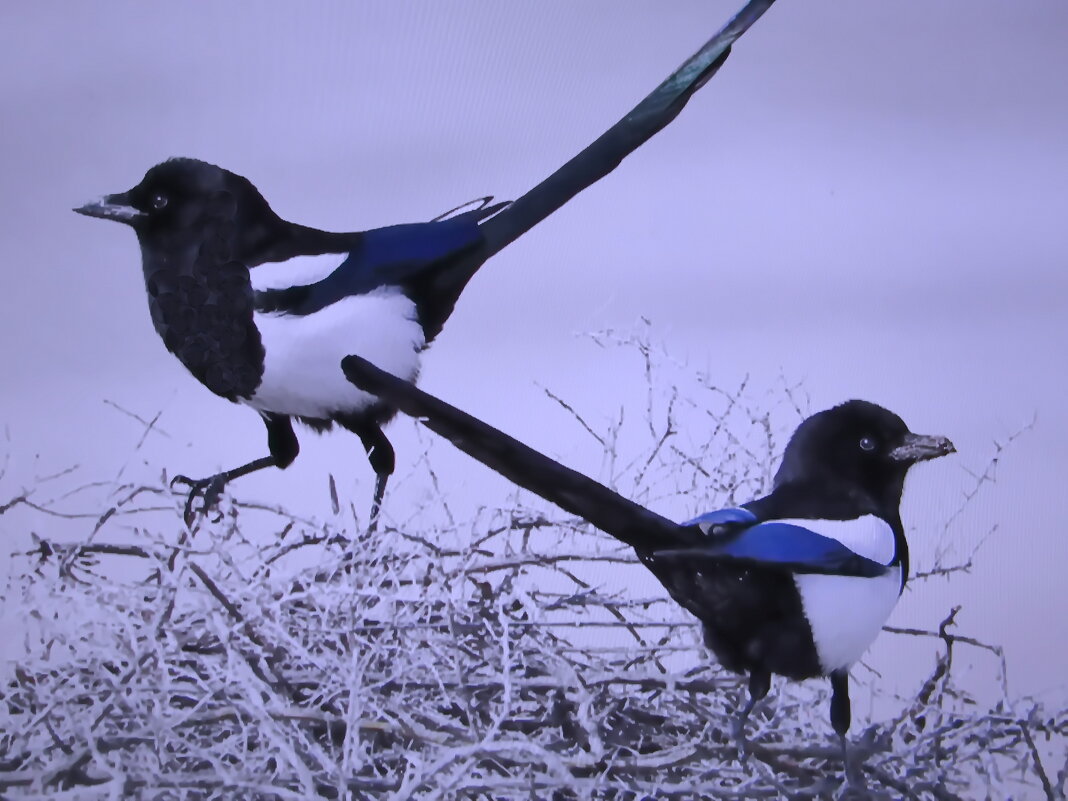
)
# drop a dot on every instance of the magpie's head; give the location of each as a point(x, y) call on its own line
point(860, 448)
point(180, 195)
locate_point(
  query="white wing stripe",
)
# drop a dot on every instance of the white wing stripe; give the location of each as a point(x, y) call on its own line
point(869, 536)
point(297, 271)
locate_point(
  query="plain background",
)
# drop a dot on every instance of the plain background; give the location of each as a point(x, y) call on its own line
point(869, 198)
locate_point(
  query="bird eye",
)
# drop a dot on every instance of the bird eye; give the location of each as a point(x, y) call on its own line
point(867, 444)
point(159, 200)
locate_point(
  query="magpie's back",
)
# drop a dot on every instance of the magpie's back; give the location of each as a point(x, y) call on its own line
point(418, 258)
point(435, 291)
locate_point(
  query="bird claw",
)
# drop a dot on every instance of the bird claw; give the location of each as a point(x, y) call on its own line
point(210, 488)
point(740, 741)
point(180, 479)
point(853, 766)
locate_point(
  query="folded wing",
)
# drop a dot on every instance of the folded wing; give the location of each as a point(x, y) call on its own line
point(772, 544)
point(382, 257)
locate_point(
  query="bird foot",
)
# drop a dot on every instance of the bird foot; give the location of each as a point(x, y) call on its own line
point(853, 764)
point(740, 741)
point(210, 488)
point(372, 523)
point(376, 503)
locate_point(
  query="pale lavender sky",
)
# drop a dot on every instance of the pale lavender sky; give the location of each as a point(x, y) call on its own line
point(869, 197)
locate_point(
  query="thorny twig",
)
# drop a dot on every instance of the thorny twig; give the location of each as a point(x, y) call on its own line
point(521, 664)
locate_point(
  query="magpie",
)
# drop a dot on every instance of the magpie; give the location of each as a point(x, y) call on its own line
point(205, 233)
point(797, 583)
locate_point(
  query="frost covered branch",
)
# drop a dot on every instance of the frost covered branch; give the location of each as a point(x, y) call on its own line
point(515, 655)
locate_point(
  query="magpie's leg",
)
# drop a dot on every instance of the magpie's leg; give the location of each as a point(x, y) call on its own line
point(212, 486)
point(840, 719)
point(759, 684)
point(380, 454)
point(383, 461)
point(283, 445)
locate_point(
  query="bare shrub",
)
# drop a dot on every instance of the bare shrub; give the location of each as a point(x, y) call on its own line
point(515, 655)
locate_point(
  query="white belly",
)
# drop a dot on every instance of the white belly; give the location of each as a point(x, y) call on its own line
point(846, 613)
point(302, 368)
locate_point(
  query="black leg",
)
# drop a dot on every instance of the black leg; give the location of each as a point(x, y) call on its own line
point(381, 456)
point(383, 461)
point(840, 713)
point(281, 441)
point(840, 719)
point(376, 502)
point(284, 448)
point(759, 684)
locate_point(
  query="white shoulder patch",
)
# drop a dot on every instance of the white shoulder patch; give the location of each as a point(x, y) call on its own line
point(297, 271)
point(869, 536)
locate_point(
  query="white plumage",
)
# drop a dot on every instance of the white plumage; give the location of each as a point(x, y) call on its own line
point(846, 613)
point(302, 368)
point(297, 271)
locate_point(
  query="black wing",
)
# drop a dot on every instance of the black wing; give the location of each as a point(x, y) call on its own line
point(570, 490)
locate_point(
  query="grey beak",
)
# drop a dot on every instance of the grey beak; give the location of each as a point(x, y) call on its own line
point(921, 447)
point(112, 207)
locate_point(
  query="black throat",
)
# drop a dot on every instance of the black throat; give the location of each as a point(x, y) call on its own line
point(201, 303)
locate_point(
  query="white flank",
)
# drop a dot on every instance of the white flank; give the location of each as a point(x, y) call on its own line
point(302, 372)
point(297, 271)
point(846, 613)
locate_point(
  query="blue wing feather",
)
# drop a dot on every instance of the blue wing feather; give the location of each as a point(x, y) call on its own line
point(392, 255)
point(388, 256)
point(773, 544)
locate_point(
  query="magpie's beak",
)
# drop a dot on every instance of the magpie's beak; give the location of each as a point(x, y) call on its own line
point(921, 447)
point(112, 207)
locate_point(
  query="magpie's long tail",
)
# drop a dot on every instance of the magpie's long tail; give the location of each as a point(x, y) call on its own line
point(653, 113)
point(571, 491)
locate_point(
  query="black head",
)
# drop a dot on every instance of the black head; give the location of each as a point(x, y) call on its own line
point(860, 448)
point(180, 194)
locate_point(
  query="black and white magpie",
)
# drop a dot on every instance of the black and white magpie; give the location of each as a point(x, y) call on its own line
point(798, 582)
point(204, 233)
